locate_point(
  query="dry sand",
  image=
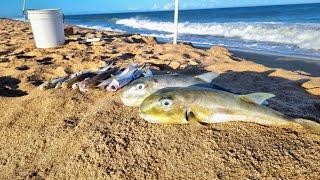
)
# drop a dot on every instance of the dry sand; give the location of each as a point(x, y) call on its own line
point(65, 134)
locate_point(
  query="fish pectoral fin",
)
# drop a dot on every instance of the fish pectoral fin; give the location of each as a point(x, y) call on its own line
point(257, 98)
point(194, 122)
point(208, 77)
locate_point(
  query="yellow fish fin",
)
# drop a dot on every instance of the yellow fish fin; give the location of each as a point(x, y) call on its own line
point(256, 98)
point(194, 122)
point(208, 77)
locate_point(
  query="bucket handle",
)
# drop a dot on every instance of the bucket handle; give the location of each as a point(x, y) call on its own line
point(63, 18)
point(25, 14)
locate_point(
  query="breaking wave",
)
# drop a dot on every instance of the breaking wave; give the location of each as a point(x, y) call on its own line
point(101, 28)
point(305, 36)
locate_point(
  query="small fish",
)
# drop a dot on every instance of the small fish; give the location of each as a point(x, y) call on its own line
point(101, 75)
point(51, 83)
point(76, 77)
point(117, 84)
point(138, 90)
point(120, 77)
point(104, 84)
point(202, 105)
point(90, 83)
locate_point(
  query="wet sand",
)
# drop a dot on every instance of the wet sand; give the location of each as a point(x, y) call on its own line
point(308, 65)
point(66, 134)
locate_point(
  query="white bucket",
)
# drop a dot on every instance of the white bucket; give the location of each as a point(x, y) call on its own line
point(47, 27)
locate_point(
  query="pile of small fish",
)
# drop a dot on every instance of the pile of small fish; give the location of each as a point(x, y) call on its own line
point(109, 78)
point(183, 99)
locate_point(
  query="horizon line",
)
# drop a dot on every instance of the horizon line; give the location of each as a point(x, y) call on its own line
point(149, 11)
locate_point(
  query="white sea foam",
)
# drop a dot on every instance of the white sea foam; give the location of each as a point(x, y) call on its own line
point(164, 36)
point(100, 28)
point(305, 36)
point(19, 19)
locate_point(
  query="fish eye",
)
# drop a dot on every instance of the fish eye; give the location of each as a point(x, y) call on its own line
point(166, 102)
point(140, 86)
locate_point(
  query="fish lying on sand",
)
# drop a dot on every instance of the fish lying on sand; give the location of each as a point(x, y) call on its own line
point(101, 75)
point(104, 84)
point(77, 77)
point(121, 79)
point(138, 90)
point(117, 84)
point(90, 83)
point(73, 80)
point(202, 105)
point(53, 83)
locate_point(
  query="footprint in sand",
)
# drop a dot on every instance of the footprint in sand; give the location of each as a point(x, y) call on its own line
point(45, 61)
point(126, 56)
point(22, 68)
point(25, 57)
point(4, 60)
point(71, 122)
point(35, 80)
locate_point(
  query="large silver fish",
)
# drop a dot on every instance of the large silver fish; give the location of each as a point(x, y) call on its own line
point(134, 93)
point(203, 105)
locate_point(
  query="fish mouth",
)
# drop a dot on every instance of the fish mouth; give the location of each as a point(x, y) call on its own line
point(149, 118)
point(130, 102)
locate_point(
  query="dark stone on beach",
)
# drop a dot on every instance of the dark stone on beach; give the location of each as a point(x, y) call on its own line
point(71, 122)
point(68, 31)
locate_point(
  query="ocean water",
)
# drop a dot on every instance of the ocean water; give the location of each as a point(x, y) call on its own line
point(288, 29)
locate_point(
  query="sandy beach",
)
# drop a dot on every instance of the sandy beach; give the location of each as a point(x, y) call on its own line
point(67, 134)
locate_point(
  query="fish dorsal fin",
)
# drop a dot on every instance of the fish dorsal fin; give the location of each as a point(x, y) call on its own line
point(208, 77)
point(257, 98)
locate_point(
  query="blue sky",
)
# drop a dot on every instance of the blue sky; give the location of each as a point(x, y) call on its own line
point(11, 8)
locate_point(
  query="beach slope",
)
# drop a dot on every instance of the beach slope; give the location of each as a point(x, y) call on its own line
point(66, 134)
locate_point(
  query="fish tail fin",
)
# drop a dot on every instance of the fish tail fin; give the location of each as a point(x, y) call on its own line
point(309, 125)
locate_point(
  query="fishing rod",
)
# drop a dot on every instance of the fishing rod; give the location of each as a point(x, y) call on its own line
point(176, 18)
point(24, 9)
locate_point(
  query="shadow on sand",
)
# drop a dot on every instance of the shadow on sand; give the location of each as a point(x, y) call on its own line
point(291, 99)
point(9, 87)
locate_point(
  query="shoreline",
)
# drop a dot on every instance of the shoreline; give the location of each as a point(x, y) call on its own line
point(240, 52)
point(309, 65)
point(291, 63)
